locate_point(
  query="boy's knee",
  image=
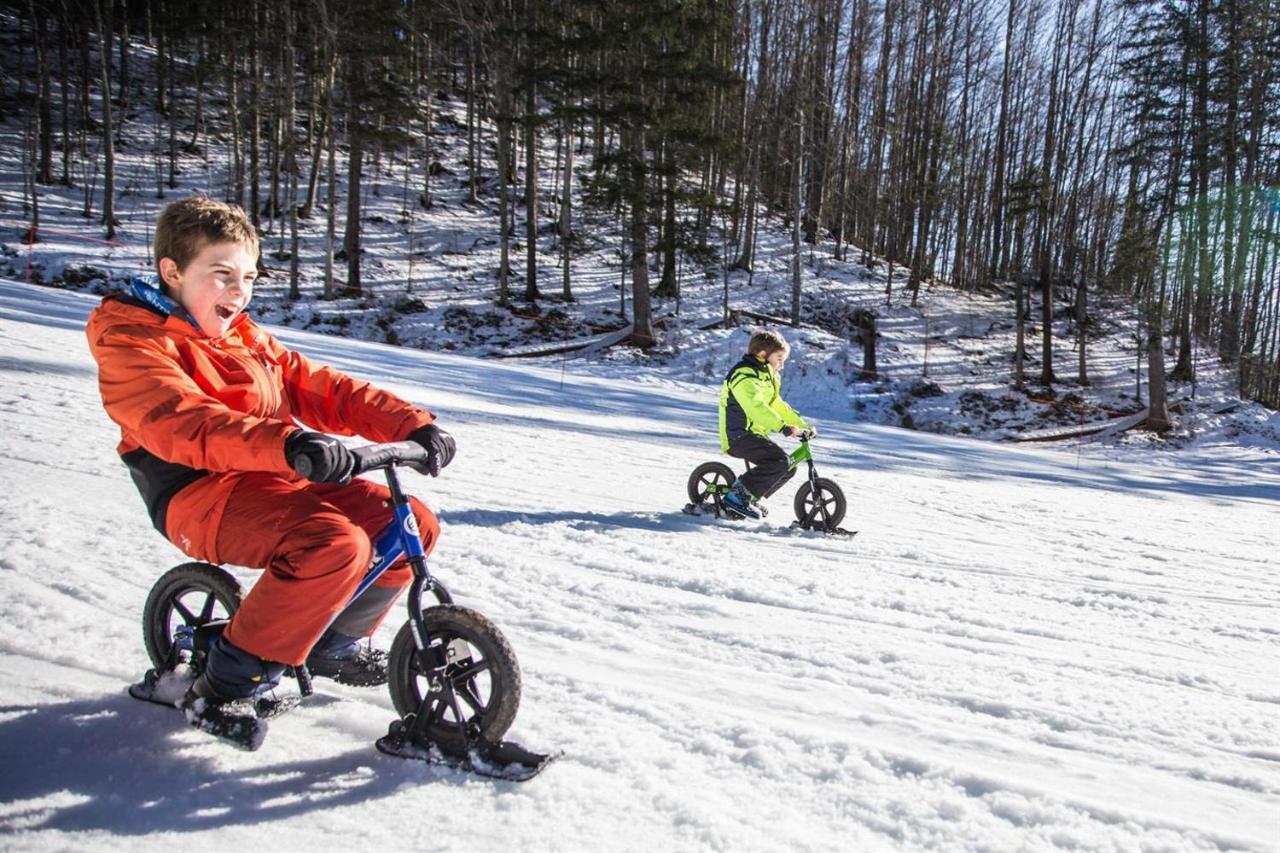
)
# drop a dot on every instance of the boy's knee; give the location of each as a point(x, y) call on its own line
point(353, 547)
point(328, 548)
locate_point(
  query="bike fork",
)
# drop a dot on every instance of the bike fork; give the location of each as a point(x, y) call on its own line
point(819, 505)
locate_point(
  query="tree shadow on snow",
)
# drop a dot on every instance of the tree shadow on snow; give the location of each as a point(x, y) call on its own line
point(654, 521)
point(675, 521)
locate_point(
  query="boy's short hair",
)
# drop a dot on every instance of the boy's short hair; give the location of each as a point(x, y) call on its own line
point(186, 226)
point(769, 341)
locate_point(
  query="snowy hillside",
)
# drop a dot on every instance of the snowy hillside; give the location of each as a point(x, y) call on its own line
point(945, 358)
point(1023, 649)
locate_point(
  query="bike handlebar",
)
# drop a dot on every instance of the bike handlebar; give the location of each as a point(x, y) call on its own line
point(374, 457)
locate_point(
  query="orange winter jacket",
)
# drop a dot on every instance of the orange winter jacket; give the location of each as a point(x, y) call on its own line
point(192, 407)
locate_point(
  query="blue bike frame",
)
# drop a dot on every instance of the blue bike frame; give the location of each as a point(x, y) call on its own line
point(399, 538)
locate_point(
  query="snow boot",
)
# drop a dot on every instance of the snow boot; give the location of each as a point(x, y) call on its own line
point(230, 697)
point(347, 660)
point(234, 720)
point(738, 501)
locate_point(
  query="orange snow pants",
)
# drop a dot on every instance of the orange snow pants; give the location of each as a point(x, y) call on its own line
point(313, 540)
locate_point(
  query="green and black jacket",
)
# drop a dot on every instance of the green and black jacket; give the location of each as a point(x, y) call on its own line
point(751, 402)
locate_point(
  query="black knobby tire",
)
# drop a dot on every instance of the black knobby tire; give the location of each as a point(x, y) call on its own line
point(832, 498)
point(482, 669)
point(708, 480)
point(190, 594)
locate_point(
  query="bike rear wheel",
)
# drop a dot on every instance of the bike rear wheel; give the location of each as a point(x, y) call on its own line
point(192, 594)
point(478, 664)
point(709, 482)
point(810, 507)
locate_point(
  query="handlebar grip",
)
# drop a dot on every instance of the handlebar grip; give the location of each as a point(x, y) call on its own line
point(372, 457)
point(376, 456)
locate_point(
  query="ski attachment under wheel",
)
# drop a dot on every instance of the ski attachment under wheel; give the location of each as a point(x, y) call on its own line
point(502, 760)
point(821, 528)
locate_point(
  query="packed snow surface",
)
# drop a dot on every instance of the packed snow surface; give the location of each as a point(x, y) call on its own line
point(1023, 649)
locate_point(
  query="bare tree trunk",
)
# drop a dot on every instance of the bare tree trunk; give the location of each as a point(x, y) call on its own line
point(878, 131)
point(472, 152)
point(1019, 346)
point(108, 139)
point(642, 320)
point(797, 212)
point(30, 192)
point(291, 150)
point(428, 123)
point(173, 113)
point(503, 85)
point(997, 190)
point(123, 96)
point(197, 122)
point(351, 240)
point(64, 32)
point(1157, 401)
point(255, 115)
point(44, 111)
point(531, 194)
point(667, 286)
point(331, 211)
point(313, 174)
point(233, 107)
point(566, 211)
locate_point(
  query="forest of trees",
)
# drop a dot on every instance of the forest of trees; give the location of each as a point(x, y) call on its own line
point(1066, 147)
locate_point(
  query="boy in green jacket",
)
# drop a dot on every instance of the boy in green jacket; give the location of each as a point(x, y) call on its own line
point(751, 407)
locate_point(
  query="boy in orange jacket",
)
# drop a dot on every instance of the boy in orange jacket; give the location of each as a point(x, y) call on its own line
point(206, 402)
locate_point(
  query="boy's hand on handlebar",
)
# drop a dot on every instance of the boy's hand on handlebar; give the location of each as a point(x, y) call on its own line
point(439, 445)
point(319, 458)
point(795, 432)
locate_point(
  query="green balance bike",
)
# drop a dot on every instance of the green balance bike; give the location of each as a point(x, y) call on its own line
point(819, 504)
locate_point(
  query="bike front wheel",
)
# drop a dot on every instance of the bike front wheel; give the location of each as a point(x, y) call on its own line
point(826, 506)
point(478, 665)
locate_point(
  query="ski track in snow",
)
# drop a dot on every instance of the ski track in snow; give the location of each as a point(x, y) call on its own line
point(1023, 649)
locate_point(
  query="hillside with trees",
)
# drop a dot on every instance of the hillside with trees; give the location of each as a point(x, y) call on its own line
point(1070, 159)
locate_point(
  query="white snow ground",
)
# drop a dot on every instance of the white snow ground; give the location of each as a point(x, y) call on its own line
point(1023, 649)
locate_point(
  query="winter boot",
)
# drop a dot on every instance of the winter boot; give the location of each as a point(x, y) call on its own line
point(229, 698)
point(738, 501)
point(347, 660)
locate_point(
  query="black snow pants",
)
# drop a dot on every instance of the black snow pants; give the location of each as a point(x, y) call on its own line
point(769, 463)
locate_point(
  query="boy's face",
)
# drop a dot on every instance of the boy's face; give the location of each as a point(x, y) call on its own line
point(215, 286)
point(775, 359)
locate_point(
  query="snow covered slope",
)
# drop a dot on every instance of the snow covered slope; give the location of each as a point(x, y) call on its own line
point(1023, 648)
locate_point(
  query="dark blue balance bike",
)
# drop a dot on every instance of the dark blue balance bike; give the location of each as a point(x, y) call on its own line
point(454, 680)
point(819, 503)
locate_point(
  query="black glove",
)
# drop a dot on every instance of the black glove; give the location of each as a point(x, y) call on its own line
point(788, 430)
point(439, 445)
point(319, 458)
